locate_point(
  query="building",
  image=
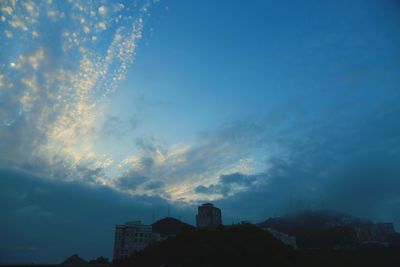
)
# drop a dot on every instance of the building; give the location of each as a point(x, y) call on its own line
point(131, 237)
point(365, 231)
point(283, 237)
point(208, 216)
point(374, 232)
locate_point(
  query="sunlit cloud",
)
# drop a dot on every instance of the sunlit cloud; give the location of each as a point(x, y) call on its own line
point(62, 101)
point(8, 34)
point(62, 80)
point(102, 10)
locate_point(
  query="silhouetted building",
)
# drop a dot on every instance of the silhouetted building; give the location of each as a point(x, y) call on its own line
point(132, 236)
point(208, 216)
point(374, 233)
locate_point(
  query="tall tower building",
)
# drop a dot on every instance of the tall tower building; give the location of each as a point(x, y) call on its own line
point(208, 216)
point(130, 237)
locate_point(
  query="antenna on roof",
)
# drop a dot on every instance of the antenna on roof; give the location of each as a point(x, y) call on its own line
point(168, 211)
point(153, 216)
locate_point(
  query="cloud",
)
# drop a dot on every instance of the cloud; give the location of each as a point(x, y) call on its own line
point(102, 10)
point(236, 178)
point(56, 82)
point(186, 166)
point(32, 211)
point(366, 187)
point(212, 189)
point(115, 126)
point(229, 184)
point(131, 181)
point(154, 185)
point(350, 165)
point(53, 122)
point(59, 219)
point(297, 161)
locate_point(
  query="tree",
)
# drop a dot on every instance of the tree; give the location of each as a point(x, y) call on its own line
point(100, 260)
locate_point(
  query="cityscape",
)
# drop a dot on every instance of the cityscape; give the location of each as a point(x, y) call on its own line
point(134, 236)
point(301, 234)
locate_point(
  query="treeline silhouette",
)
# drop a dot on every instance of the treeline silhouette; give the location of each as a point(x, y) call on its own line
point(248, 245)
point(244, 245)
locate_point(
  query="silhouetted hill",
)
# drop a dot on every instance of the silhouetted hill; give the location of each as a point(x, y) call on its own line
point(74, 260)
point(305, 220)
point(327, 229)
point(244, 245)
point(315, 229)
point(170, 227)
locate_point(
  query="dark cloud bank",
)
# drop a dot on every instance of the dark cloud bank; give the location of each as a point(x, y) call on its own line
point(47, 221)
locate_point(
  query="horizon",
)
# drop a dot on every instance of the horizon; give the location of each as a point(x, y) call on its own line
point(112, 111)
point(301, 212)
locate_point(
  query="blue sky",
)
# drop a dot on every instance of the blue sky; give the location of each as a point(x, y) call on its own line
point(262, 107)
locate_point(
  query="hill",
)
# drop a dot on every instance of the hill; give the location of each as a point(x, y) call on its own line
point(244, 245)
point(74, 260)
point(331, 230)
point(170, 227)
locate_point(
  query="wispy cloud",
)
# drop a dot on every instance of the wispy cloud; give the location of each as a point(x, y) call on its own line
point(185, 166)
point(54, 81)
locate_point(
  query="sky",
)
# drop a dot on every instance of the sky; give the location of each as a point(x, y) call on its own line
point(111, 111)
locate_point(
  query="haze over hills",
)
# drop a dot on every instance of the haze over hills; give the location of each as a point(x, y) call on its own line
point(331, 229)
